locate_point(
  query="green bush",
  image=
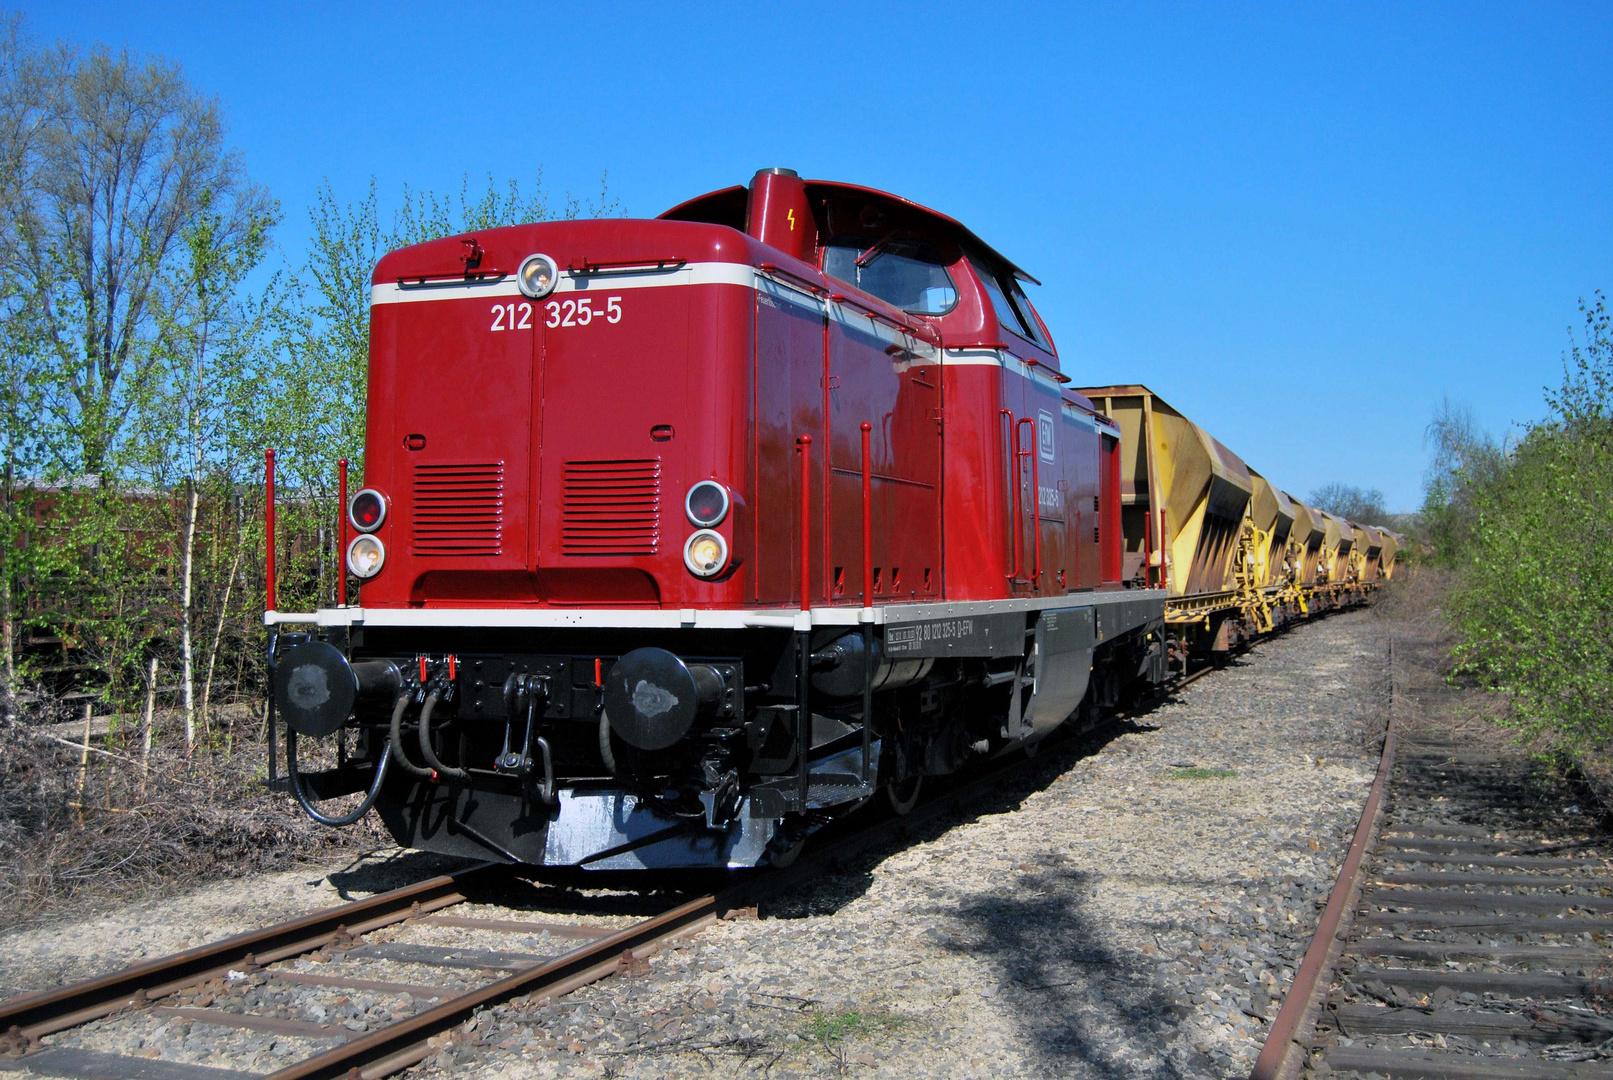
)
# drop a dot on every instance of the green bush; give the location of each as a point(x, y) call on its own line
point(1533, 599)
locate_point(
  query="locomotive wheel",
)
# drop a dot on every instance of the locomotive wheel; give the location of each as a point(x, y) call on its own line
point(903, 795)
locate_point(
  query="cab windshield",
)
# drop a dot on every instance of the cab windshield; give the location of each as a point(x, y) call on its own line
point(908, 274)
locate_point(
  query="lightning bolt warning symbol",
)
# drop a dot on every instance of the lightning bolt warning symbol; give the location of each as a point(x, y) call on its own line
point(791, 217)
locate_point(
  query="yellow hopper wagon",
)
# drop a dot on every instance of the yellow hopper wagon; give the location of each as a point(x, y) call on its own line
point(1184, 500)
point(1236, 555)
point(1392, 543)
point(1305, 542)
point(1368, 553)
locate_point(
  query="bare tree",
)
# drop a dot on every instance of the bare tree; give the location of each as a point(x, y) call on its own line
point(1364, 506)
point(126, 163)
point(1467, 461)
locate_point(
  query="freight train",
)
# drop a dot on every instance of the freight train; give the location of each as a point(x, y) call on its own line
point(678, 539)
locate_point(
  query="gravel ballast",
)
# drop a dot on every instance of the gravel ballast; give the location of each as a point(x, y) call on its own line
point(1132, 905)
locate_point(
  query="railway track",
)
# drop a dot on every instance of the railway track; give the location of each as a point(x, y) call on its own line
point(426, 957)
point(1467, 936)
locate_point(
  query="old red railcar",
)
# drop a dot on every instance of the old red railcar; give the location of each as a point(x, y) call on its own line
point(680, 536)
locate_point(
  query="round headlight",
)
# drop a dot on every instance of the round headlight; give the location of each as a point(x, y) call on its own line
point(705, 553)
point(537, 277)
point(365, 556)
point(367, 510)
point(707, 503)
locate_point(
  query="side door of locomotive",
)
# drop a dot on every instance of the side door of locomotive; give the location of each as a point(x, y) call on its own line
point(1043, 441)
point(1040, 450)
point(1037, 458)
point(872, 375)
point(790, 333)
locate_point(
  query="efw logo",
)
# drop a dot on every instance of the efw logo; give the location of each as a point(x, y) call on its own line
point(1044, 436)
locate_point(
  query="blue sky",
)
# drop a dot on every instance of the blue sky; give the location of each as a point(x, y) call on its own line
point(1302, 226)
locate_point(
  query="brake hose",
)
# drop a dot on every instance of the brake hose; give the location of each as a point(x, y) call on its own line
point(395, 742)
point(307, 805)
point(604, 743)
point(425, 742)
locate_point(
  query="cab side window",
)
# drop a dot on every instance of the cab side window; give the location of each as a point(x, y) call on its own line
point(1012, 308)
point(908, 274)
point(1027, 315)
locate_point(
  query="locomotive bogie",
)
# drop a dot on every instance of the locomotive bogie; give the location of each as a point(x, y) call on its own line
point(685, 747)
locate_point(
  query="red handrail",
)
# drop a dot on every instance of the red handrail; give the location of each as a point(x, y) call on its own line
point(876, 314)
point(1034, 453)
point(590, 268)
point(868, 518)
point(1013, 458)
point(1052, 371)
point(806, 525)
point(1148, 548)
point(341, 533)
point(775, 270)
point(268, 526)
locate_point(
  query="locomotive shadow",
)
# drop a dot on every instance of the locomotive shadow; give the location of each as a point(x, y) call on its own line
point(853, 875)
point(1083, 1007)
point(514, 887)
point(563, 891)
point(380, 871)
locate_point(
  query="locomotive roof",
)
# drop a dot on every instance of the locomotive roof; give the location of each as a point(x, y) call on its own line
point(728, 197)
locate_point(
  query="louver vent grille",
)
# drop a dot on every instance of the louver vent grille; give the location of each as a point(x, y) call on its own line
point(458, 509)
point(611, 507)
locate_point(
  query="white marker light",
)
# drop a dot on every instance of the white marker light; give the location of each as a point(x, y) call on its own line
point(537, 277)
point(365, 556)
point(706, 553)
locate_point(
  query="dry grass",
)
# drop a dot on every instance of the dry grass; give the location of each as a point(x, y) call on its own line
point(130, 834)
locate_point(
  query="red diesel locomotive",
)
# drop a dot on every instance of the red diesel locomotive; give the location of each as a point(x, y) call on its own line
point(679, 538)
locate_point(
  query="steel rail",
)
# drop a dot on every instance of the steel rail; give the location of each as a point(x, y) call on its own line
point(1281, 1056)
point(28, 1017)
point(407, 1042)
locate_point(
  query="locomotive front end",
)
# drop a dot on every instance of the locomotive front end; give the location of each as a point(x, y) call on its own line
point(550, 663)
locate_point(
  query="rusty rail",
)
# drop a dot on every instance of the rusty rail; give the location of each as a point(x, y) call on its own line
point(407, 1042)
point(1281, 1056)
point(25, 1019)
